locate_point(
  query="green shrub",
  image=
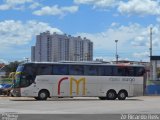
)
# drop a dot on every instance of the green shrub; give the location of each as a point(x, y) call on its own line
point(6, 81)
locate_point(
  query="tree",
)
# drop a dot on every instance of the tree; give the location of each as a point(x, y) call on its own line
point(158, 72)
point(11, 67)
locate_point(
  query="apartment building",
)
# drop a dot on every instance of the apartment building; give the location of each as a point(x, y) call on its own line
point(55, 47)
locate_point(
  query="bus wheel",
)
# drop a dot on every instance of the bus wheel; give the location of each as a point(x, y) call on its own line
point(111, 95)
point(122, 95)
point(43, 95)
point(102, 98)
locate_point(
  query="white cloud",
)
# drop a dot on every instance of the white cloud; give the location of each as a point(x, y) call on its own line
point(132, 39)
point(158, 19)
point(140, 7)
point(131, 7)
point(98, 3)
point(122, 33)
point(103, 58)
point(5, 7)
point(145, 35)
point(16, 37)
point(18, 1)
point(114, 24)
point(56, 10)
point(18, 4)
point(35, 5)
point(19, 33)
point(3, 61)
point(141, 55)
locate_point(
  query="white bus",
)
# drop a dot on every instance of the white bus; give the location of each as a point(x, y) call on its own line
point(77, 79)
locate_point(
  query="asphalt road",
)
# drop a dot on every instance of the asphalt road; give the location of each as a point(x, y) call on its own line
point(74, 106)
point(144, 104)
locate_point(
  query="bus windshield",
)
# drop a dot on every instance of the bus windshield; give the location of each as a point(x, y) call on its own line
point(20, 68)
point(18, 76)
point(25, 75)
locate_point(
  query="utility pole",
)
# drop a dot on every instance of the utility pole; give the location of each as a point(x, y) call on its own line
point(116, 41)
point(26, 59)
point(151, 69)
point(150, 42)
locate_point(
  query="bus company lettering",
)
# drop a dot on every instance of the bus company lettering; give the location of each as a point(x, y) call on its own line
point(128, 79)
point(123, 79)
point(73, 80)
point(114, 79)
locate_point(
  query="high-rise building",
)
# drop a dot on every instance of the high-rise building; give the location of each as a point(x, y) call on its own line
point(32, 53)
point(55, 47)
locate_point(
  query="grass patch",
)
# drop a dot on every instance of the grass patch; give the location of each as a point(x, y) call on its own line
point(6, 81)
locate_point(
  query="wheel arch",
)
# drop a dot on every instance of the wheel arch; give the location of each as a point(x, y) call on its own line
point(111, 94)
point(123, 90)
point(46, 91)
point(111, 90)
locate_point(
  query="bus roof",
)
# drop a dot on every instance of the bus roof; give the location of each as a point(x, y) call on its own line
point(85, 63)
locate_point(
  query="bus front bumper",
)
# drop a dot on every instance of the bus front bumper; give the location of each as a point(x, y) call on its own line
point(16, 92)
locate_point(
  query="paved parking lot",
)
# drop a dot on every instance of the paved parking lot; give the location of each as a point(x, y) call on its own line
point(144, 104)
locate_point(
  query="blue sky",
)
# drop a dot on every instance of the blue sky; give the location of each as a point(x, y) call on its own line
point(101, 21)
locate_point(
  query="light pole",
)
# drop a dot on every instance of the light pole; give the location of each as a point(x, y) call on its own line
point(151, 66)
point(116, 41)
point(26, 59)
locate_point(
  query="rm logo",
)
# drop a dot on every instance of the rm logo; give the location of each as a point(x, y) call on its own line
point(72, 81)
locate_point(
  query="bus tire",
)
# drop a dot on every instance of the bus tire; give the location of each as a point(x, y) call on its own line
point(43, 95)
point(122, 95)
point(111, 95)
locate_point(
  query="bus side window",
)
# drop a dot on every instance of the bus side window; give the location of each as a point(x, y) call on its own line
point(60, 70)
point(101, 71)
point(114, 71)
point(129, 71)
point(90, 70)
point(44, 70)
point(106, 71)
point(76, 70)
point(140, 71)
point(119, 71)
point(28, 75)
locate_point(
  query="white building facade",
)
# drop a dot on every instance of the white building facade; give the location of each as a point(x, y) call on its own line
point(55, 47)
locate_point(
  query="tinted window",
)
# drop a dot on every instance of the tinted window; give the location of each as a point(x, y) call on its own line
point(28, 75)
point(105, 71)
point(101, 71)
point(29, 70)
point(76, 70)
point(115, 71)
point(108, 71)
point(139, 71)
point(129, 71)
point(121, 71)
point(44, 69)
point(90, 70)
point(20, 68)
point(60, 70)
